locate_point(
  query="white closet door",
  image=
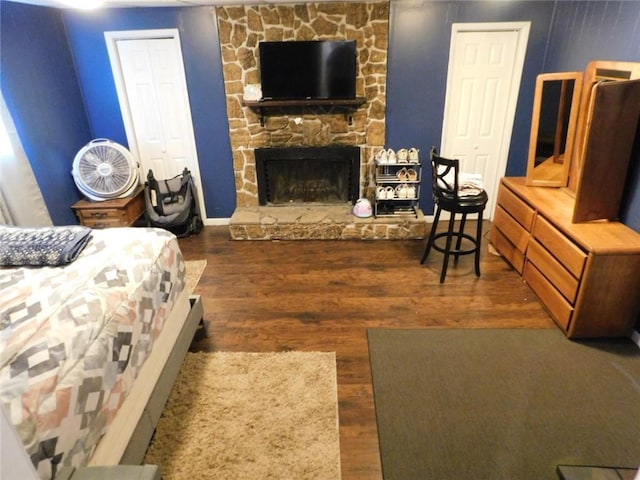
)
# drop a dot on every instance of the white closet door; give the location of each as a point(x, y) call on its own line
point(154, 100)
point(482, 90)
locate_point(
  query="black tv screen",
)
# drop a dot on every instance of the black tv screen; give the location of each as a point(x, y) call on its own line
point(315, 69)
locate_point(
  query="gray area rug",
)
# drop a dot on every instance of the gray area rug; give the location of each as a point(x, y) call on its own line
point(502, 404)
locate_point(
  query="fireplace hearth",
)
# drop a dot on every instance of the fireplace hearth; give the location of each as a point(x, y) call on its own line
point(308, 175)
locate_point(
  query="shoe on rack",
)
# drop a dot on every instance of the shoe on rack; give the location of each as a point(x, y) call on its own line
point(413, 155)
point(401, 191)
point(391, 156)
point(391, 193)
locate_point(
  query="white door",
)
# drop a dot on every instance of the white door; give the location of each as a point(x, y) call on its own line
point(485, 66)
point(155, 104)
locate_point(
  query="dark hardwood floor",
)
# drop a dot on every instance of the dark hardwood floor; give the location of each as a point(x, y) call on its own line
point(264, 296)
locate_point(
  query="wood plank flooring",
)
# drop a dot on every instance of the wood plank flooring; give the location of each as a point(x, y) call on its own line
point(264, 296)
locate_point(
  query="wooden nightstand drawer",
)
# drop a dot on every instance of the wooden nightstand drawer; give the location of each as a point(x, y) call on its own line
point(103, 218)
point(555, 303)
point(516, 207)
point(119, 212)
point(567, 252)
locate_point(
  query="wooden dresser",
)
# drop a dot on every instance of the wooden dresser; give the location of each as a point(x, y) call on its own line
point(587, 275)
point(119, 212)
point(558, 225)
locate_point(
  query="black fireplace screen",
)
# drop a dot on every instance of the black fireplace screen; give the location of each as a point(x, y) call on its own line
point(321, 175)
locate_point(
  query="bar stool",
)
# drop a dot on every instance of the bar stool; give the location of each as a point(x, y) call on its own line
point(446, 196)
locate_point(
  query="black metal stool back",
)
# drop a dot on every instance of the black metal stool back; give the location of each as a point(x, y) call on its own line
point(446, 196)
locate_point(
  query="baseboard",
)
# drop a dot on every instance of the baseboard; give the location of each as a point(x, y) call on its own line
point(216, 221)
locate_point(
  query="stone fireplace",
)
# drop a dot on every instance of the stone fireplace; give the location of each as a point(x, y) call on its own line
point(241, 28)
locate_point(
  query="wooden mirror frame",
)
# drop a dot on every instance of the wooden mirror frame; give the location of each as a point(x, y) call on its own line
point(612, 124)
point(596, 71)
point(556, 174)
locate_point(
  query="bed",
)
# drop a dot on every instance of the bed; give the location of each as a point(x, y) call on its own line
point(89, 350)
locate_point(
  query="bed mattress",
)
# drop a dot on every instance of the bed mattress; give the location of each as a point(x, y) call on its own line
point(73, 338)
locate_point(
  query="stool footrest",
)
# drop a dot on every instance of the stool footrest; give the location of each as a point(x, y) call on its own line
point(453, 251)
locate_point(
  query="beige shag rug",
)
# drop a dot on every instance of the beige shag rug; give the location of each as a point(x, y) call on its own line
point(251, 416)
point(194, 272)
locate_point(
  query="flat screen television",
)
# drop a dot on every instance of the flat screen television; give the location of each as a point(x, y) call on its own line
point(308, 70)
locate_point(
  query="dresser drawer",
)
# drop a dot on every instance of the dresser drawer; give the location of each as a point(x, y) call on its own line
point(517, 208)
point(555, 303)
point(511, 229)
point(507, 249)
point(567, 252)
point(553, 270)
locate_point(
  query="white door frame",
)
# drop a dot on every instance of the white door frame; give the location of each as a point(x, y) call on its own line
point(111, 39)
point(523, 35)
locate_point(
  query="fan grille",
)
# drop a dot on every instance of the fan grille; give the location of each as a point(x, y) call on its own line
point(104, 169)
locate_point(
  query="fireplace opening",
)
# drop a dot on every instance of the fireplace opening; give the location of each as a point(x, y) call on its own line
point(303, 175)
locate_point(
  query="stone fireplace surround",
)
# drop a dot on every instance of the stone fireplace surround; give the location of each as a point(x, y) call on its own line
point(241, 28)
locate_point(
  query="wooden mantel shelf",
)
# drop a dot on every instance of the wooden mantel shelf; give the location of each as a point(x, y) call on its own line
point(260, 105)
point(320, 102)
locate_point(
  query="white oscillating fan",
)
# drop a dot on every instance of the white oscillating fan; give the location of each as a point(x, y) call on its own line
point(103, 169)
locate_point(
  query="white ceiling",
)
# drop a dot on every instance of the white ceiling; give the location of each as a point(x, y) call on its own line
point(172, 3)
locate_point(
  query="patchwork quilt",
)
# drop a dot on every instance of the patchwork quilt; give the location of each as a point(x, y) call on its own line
point(73, 338)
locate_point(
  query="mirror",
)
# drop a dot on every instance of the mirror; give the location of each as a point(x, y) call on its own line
point(553, 126)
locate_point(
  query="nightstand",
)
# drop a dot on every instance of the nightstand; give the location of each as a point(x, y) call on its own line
point(118, 212)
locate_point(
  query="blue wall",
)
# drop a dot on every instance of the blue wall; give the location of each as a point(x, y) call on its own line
point(585, 31)
point(564, 36)
point(42, 93)
point(203, 68)
point(418, 60)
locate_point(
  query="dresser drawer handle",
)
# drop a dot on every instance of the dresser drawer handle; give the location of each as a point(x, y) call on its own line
point(99, 214)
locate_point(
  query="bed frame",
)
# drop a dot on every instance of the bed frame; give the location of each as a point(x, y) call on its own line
point(129, 435)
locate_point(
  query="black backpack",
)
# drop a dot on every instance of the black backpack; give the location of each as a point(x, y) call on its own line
point(172, 204)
